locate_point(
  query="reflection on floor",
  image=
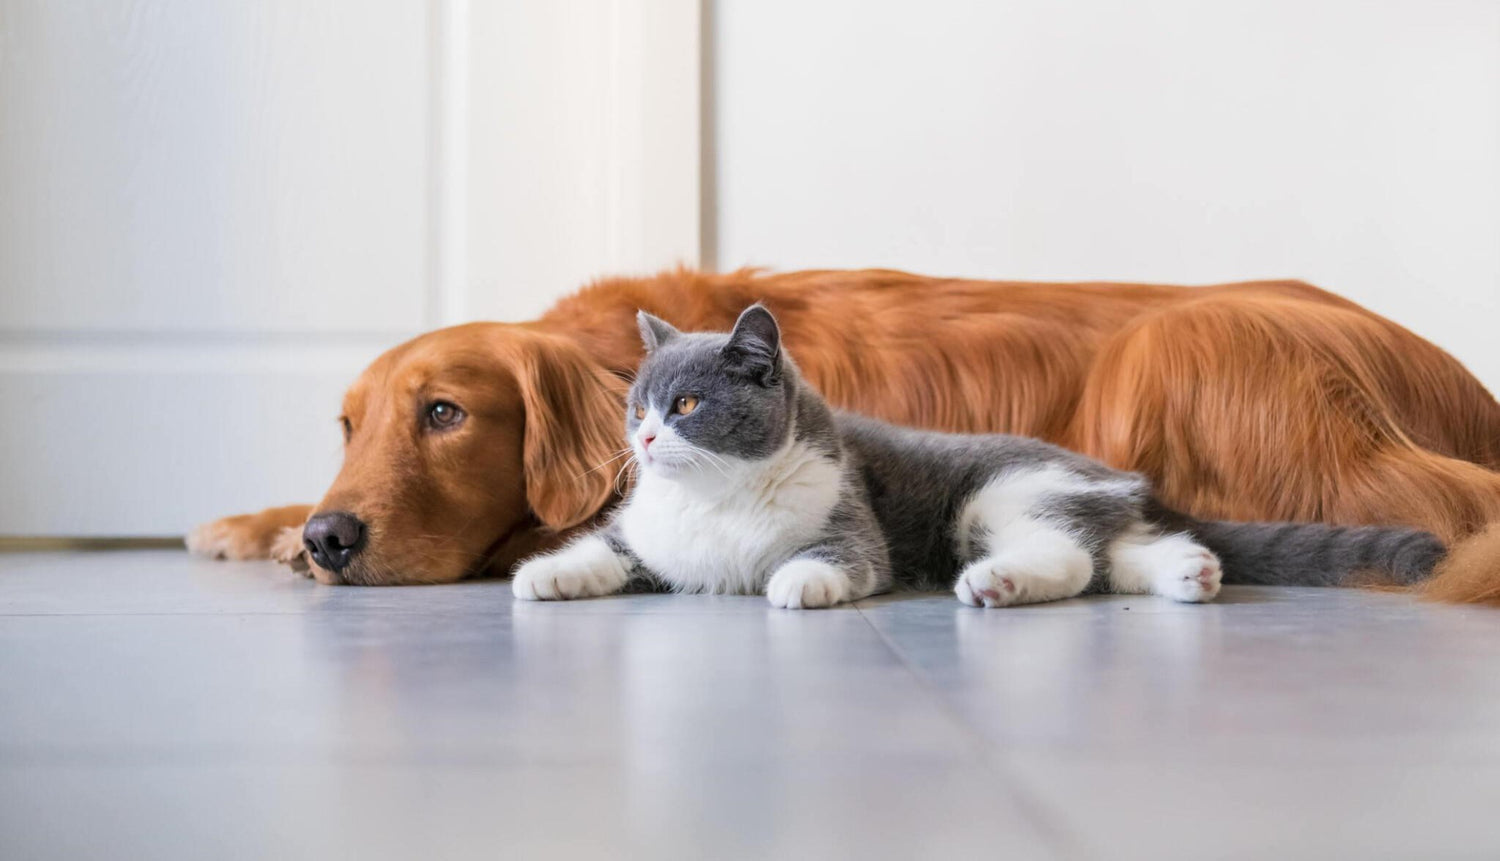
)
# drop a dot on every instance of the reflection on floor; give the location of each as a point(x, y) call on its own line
point(154, 705)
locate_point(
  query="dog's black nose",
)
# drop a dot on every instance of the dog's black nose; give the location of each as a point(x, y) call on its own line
point(332, 538)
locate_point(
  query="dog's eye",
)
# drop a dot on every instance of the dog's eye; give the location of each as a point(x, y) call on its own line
point(444, 415)
point(640, 412)
point(347, 426)
point(685, 405)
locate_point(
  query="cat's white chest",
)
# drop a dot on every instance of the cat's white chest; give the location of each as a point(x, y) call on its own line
point(732, 539)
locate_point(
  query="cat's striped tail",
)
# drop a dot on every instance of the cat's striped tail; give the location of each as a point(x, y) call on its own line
point(1312, 554)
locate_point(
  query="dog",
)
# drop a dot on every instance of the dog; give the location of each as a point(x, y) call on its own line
point(472, 447)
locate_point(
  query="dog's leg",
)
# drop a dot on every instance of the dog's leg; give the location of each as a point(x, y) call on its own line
point(247, 536)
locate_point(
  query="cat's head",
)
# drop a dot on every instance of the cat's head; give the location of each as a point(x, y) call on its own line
point(705, 401)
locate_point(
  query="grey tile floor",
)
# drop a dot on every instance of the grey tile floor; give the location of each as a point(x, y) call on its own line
point(157, 706)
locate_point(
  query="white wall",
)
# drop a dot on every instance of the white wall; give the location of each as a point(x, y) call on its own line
point(214, 213)
point(582, 146)
point(1354, 144)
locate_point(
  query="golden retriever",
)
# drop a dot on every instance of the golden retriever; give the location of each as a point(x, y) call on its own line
point(471, 447)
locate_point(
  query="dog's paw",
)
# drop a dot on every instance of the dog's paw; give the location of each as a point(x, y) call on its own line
point(805, 584)
point(289, 550)
point(584, 570)
point(246, 536)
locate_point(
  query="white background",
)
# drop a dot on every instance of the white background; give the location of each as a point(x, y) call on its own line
point(1352, 144)
point(213, 214)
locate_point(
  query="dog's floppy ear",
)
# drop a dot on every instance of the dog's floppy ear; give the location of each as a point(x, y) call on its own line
point(574, 425)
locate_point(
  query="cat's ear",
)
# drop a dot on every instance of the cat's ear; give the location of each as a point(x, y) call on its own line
point(654, 330)
point(755, 344)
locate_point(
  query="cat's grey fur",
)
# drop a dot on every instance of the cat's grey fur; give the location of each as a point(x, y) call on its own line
point(1001, 519)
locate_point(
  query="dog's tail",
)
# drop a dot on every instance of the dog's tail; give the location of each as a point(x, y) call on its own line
point(1471, 572)
point(1313, 554)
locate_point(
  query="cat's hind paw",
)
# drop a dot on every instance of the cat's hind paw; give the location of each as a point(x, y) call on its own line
point(1192, 577)
point(584, 570)
point(987, 584)
point(1039, 574)
point(807, 584)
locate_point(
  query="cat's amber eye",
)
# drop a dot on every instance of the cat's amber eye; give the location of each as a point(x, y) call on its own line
point(640, 411)
point(685, 405)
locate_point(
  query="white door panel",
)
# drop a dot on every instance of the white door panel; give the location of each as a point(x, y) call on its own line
point(181, 165)
point(213, 214)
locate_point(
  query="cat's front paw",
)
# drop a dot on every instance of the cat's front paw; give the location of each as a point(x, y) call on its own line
point(1192, 577)
point(807, 584)
point(585, 570)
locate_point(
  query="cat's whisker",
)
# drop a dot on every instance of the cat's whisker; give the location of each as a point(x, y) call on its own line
point(718, 463)
point(702, 457)
point(722, 468)
point(625, 452)
point(724, 464)
point(626, 469)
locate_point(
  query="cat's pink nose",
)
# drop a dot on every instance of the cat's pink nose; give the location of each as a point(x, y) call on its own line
point(646, 441)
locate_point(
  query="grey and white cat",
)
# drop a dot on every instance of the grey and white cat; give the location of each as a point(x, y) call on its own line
point(749, 483)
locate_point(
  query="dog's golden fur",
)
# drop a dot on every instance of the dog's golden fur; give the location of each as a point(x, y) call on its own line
point(1269, 400)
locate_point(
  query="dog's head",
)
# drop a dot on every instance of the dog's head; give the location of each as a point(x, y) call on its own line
point(466, 449)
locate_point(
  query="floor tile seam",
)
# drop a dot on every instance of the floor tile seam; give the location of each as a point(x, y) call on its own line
point(1049, 821)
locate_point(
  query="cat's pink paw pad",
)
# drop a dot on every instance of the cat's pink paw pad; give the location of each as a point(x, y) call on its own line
point(980, 585)
point(1198, 579)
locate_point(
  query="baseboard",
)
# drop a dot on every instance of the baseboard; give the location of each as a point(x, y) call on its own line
point(33, 543)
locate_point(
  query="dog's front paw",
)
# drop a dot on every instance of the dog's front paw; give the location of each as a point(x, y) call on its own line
point(585, 570)
point(807, 584)
point(289, 550)
point(246, 536)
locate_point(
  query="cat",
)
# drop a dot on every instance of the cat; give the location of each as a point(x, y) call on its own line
point(749, 483)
